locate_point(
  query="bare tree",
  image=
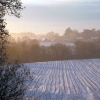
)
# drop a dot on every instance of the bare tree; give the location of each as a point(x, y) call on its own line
point(14, 78)
point(10, 7)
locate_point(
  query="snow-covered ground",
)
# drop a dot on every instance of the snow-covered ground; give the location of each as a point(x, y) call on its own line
point(66, 80)
point(52, 43)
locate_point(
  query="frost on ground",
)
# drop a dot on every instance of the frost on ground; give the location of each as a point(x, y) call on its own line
point(66, 80)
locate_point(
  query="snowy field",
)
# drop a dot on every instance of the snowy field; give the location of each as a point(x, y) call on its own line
point(52, 43)
point(66, 80)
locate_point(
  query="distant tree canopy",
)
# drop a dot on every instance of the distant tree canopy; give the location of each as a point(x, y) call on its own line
point(31, 51)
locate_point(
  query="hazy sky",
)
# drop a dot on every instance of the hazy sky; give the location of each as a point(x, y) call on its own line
point(42, 16)
point(54, 1)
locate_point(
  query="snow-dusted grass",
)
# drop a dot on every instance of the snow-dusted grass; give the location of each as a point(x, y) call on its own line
point(66, 80)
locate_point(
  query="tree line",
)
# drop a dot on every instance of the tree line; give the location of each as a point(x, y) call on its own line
point(69, 35)
point(31, 51)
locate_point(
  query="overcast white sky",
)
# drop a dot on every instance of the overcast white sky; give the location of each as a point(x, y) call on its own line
point(42, 16)
point(54, 1)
